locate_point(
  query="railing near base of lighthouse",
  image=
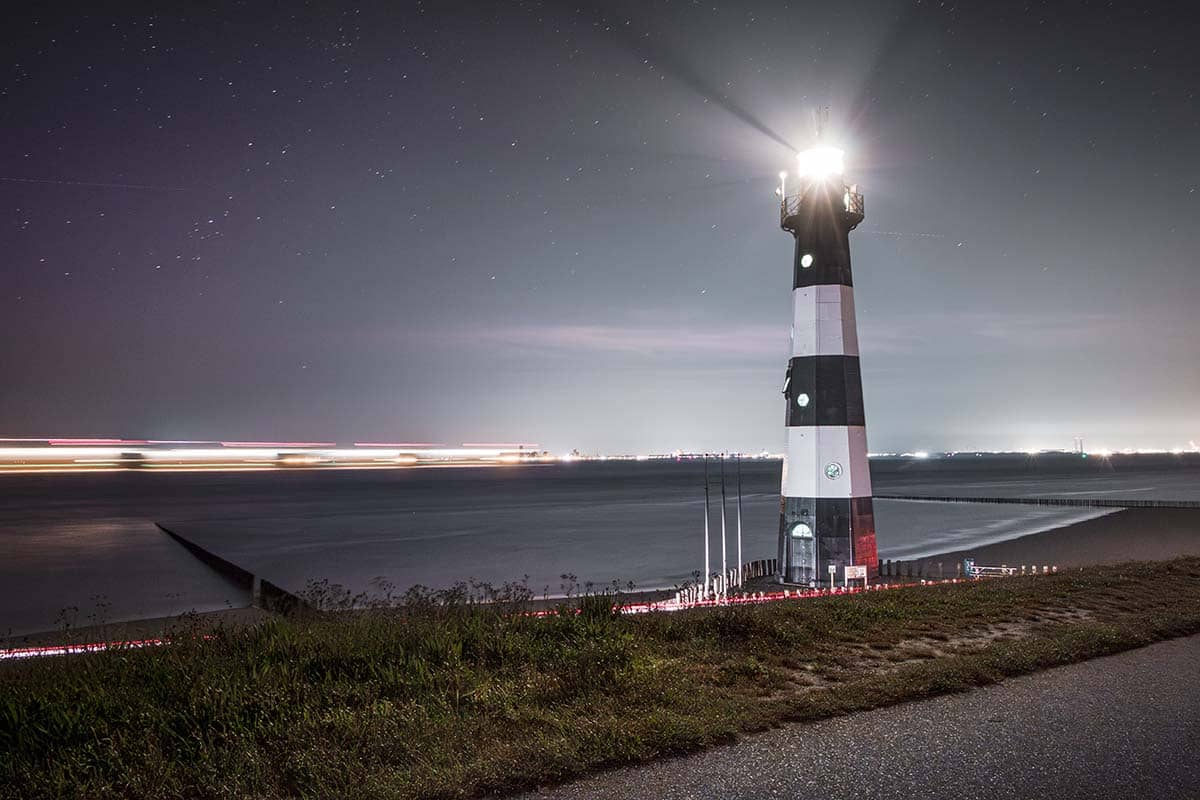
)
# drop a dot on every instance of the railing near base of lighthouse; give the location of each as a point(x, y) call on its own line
point(722, 585)
point(728, 589)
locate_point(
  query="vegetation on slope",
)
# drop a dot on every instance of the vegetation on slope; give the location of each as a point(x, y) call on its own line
point(438, 697)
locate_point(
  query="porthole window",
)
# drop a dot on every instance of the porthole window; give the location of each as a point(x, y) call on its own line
point(801, 530)
point(806, 260)
point(802, 400)
point(833, 470)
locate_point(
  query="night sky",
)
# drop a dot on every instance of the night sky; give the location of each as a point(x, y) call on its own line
point(555, 222)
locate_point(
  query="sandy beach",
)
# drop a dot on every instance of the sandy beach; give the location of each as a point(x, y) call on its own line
point(1136, 534)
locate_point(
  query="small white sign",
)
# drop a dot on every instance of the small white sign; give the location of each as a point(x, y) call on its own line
point(856, 572)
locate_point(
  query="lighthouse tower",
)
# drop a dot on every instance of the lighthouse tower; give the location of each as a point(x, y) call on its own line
point(826, 516)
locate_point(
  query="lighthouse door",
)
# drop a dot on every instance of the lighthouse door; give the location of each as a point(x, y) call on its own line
point(801, 556)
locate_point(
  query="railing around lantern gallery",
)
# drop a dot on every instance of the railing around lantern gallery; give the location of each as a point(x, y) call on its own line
point(852, 203)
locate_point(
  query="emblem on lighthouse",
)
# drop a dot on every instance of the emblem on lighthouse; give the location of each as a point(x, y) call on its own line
point(833, 470)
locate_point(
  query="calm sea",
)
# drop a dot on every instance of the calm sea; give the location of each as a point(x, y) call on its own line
point(87, 543)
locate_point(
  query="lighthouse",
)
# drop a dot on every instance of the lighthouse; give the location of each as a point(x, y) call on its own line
point(826, 518)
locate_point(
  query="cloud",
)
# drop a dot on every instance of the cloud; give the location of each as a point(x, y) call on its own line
point(696, 339)
point(989, 331)
point(1048, 330)
point(730, 340)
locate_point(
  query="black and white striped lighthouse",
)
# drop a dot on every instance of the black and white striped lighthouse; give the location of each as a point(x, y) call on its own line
point(826, 516)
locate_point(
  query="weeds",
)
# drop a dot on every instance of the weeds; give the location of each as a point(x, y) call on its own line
point(460, 692)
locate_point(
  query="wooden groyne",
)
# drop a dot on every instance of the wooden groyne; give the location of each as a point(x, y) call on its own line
point(1077, 502)
point(263, 593)
point(759, 569)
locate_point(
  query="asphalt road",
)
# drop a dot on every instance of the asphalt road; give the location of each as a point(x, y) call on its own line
point(1126, 726)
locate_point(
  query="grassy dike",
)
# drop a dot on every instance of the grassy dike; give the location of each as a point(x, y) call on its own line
point(446, 699)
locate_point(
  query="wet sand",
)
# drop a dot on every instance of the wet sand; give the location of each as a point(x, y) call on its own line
point(1135, 534)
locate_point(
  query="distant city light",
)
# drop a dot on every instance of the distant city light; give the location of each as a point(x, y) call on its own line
point(277, 444)
point(98, 455)
point(109, 455)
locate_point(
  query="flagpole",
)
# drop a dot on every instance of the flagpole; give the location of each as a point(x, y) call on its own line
point(724, 558)
point(739, 520)
point(706, 548)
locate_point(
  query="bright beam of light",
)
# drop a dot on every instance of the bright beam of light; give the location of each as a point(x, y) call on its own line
point(821, 162)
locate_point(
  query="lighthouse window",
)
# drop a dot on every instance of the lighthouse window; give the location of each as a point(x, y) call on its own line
point(806, 260)
point(801, 530)
point(802, 400)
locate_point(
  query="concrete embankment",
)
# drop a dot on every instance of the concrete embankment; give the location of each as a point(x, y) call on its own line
point(1072, 502)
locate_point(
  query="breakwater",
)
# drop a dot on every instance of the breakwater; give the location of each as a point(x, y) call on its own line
point(263, 593)
point(1076, 502)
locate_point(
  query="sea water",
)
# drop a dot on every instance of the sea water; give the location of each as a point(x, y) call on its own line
point(84, 547)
